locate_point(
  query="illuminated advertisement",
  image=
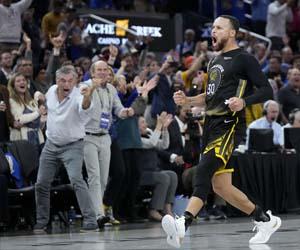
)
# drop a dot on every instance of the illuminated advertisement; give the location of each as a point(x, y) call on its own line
point(111, 30)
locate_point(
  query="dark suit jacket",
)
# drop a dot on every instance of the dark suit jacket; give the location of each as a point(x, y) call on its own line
point(162, 99)
point(6, 118)
point(3, 79)
point(175, 146)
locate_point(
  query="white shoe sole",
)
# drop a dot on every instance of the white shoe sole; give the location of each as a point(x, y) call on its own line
point(168, 225)
point(277, 226)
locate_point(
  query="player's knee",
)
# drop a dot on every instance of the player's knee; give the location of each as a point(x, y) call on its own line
point(201, 192)
point(201, 183)
point(219, 187)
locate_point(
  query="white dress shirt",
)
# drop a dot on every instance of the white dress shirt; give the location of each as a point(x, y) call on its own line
point(66, 120)
point(182, 128)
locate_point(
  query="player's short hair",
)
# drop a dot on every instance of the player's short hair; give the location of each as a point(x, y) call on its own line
point(235, 24)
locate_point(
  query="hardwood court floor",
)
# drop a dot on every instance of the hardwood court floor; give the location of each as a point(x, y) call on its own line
point(232, 234)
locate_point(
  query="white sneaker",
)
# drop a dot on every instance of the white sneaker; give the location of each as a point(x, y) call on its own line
point(265, 229)
point(175, 229)
point(259, 247)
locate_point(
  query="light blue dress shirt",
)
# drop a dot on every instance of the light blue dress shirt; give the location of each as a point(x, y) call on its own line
point(263, 124)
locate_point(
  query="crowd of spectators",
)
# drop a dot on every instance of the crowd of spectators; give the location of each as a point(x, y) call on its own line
point(135, 136)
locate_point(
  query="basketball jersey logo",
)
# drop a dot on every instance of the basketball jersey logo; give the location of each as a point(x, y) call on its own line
point(214, 79)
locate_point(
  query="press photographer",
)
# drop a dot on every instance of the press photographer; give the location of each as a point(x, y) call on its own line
point(184, 144)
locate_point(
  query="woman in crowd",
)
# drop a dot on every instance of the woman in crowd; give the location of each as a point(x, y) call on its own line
point(164, 182)
point(26, 111)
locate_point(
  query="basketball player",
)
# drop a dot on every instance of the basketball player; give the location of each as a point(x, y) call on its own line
point(232, 77)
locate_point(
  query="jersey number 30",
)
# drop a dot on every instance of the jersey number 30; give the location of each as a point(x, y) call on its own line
point(210, 89)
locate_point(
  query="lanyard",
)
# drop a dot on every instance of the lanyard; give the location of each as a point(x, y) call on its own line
point(101, 101)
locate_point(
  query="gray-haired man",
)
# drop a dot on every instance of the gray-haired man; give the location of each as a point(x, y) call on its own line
point(97, 141)
point(68, 109)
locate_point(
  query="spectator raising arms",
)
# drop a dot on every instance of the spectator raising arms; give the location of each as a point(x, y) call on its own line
point(10, 23)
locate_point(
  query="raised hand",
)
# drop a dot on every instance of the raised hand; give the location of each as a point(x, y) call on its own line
point(123, 64)
point(168, 120)
point(87, 91)
point(113, 51)
point(26, 39)
point(151, 84)
point(180, 98)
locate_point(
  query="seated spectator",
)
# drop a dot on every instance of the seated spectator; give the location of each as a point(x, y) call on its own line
point(172, 158)
point(271, 112)
point(26, 111)
point(164, 182)
point(289, 95)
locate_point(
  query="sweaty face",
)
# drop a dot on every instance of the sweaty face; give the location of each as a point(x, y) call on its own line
point(220, 33)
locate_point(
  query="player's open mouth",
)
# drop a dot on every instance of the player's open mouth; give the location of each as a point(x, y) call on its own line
point(214, 40)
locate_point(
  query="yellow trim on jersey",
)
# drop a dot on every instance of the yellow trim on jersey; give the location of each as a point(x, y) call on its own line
point(240, 90)
point(227, 170)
